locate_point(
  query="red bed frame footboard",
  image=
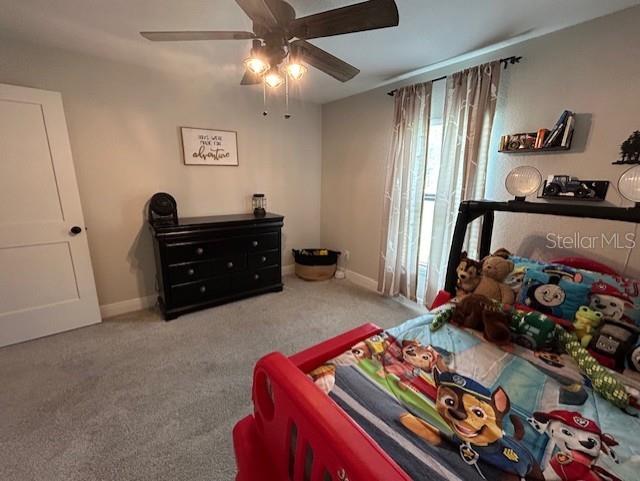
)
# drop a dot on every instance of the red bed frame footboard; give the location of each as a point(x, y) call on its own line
point(297, 433)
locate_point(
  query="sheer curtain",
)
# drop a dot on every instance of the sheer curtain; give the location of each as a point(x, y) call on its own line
point(470, 106)
point(398, 269)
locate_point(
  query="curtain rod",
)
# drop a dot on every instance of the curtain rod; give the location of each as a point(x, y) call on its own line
point(505, 61)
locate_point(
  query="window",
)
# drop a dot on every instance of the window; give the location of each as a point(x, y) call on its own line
point(430, 187)
point(434, 152)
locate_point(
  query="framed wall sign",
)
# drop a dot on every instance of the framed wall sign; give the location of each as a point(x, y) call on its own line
point(209, 147)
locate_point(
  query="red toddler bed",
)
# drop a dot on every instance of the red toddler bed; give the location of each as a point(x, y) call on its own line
point(298, 433)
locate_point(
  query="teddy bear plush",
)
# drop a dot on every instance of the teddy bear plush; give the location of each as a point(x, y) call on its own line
point(482, 314)
point(495, 269)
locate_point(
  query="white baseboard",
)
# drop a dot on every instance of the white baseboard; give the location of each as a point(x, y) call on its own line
point(130, 305)
point(362, 281)
point(357, 279)
point(288, 269)
point(138, 303)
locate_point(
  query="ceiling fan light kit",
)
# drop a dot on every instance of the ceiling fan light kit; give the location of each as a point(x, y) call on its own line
point(273, 78)
point(279, 37)
point(256, 65)
point(296, 70)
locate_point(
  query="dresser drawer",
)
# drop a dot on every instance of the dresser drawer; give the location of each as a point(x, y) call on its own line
point(191, 271)
point(255, 278)
point(261, 242)
point(264, 259)
point(200, 291)
point(195, 251)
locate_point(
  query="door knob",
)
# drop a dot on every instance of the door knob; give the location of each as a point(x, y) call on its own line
point(75, 230)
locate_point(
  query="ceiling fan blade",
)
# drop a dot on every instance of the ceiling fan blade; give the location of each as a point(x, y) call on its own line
point(282, 10)
point(250, 78)
point(368, 15)
point(322, 60)
point(196, 35)
point(259, 12)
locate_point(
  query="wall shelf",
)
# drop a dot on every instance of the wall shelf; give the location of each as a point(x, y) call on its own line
point(557, 148)
point(560, 138)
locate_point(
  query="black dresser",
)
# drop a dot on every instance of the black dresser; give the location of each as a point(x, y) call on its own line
point(206, 261)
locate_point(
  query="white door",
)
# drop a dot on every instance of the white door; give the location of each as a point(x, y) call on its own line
point(46, 280)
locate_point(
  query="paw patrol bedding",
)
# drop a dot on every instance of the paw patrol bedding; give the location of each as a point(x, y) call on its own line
point(446, 405)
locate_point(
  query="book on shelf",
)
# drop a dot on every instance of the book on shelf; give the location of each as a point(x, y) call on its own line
point(504, 142)
point(568, 130)
point(555, 136)
point(542, 134)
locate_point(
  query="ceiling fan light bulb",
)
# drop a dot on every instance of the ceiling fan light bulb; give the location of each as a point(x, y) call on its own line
point(256, 65)
point(273, 79)
point(296, 70)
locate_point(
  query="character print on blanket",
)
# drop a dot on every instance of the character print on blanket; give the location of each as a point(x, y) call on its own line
point(408, 362)
point(475, 415)
point(575, 447)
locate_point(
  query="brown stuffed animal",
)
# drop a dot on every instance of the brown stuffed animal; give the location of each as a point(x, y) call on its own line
point(469, 272)
point(495, 269)
point(481, 313)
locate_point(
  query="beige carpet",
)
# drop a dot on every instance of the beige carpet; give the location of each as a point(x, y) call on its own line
point(136, 398)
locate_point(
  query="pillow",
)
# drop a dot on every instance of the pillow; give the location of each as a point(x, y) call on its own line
point(553, 293)
point(520, 266)
point(617, 297)
point(524, 264)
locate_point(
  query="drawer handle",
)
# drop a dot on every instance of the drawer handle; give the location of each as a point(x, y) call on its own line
point(191, 272)
point(256, 276)
point(254, 243)
point(199, 251)
point(229, 265)
point(203, 289)
point(263, 259)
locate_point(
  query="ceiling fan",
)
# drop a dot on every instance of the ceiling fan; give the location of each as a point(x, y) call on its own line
point(278, 36)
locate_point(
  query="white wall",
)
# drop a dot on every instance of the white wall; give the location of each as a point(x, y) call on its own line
point(590, 68)
point(123, 123)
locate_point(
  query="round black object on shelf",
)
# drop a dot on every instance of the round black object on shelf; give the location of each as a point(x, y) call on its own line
point(163, 208)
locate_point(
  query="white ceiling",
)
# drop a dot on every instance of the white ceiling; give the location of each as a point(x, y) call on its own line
point(430, 31)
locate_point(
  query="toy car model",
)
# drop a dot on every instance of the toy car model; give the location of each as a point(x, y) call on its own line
point(564, 184)
point(532, 330)
point(613, 342)
point(522, 141)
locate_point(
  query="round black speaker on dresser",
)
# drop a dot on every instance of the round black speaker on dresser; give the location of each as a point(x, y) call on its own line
point(163, 209)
